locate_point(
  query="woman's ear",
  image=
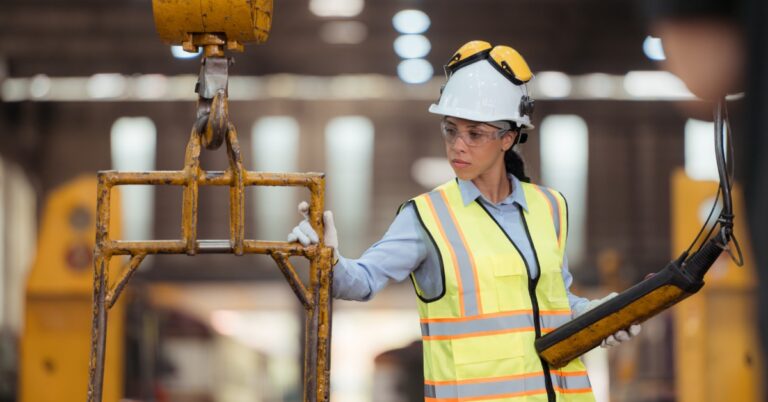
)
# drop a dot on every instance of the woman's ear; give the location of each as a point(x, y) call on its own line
point(509, 140)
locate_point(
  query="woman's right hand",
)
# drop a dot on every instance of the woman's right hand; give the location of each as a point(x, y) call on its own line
point(304, 234)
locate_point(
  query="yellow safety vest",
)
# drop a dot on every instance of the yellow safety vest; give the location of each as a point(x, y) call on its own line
point(478, 333)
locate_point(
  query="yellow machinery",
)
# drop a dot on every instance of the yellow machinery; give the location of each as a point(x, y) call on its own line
point(214, 25)
point(230, 22)
point(717, 351)
point(55, 343)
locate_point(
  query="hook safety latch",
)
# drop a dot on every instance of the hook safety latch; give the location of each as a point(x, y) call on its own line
point(212, 119)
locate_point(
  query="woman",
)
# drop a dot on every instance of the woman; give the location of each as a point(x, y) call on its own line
point(485, 251)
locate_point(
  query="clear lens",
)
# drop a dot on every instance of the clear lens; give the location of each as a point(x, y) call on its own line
point(473, 137)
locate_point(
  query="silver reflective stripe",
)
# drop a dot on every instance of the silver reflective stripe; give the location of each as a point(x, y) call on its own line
point(554, 320)
point(555, 209)
point(510, 322)
point(429, 391)
point(525, 385)
point(570, 382)
point(469, 287)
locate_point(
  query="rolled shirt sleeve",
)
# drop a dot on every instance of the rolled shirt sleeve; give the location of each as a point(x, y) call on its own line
point(393, 258)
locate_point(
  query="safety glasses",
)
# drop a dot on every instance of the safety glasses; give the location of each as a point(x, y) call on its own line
point(474, 137)
point(505, 59)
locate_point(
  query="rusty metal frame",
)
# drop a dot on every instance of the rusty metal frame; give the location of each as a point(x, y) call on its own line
point(316, 298)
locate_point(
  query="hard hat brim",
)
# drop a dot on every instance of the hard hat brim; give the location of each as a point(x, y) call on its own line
point(474, 116)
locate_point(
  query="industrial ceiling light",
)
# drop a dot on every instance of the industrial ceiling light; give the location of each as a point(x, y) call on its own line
point(412, 46)
point(179, 53)
point(40, 86)
point(103, 86)
point(150, 86)
point(553, 84)
point(656, 85)
point(336, 8)
point(653, 48)
point(411, 21)
point(343, 32)
point(415, 71)
point(598, 85)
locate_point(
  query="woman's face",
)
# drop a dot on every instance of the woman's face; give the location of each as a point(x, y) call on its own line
point(474, 148)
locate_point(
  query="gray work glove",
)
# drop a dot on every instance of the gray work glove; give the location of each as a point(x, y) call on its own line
point(617, 338)
point(304, 234)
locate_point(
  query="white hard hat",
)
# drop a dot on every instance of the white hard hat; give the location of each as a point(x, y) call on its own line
point(481, 91)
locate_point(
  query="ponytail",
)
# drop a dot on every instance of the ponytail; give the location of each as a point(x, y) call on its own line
point(515, 165)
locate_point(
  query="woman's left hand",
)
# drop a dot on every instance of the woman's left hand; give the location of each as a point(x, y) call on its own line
point(618, 337)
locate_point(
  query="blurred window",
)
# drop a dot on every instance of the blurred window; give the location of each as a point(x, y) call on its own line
point(134, 148)
point(700, 150)
point(564, 157)
point(349, 164)
point(275, 144)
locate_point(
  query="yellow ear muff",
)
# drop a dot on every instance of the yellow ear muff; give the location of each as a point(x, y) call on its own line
point(511, 62)
point(467, 50)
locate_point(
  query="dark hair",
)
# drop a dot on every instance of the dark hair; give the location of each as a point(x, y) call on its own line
point(515, 165)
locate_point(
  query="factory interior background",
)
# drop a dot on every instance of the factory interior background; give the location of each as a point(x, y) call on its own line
point(342, 87)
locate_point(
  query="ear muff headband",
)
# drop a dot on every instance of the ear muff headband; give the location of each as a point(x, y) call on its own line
point(505, 59)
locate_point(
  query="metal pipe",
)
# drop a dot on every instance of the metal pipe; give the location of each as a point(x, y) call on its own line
point(114, 293)
point(209, 178)
point(189, 201)
point(289, 272)
point(208, 246)
point(98, 329)
point(236, 196)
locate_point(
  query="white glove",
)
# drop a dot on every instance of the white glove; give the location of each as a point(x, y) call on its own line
point(304, 234)
point(621, 335)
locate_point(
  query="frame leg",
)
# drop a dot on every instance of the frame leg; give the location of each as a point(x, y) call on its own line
point(311, 332)
point(98, 329)
point(323, 307)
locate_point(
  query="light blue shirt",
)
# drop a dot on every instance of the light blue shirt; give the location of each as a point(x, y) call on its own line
point(404, 247)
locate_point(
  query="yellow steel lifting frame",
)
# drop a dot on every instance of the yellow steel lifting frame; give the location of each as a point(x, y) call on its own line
point(215, 25)
point(316, 298)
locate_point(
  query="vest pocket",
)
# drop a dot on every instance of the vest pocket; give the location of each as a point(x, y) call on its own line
point(485, 356)
point(552, 285)
point(511, 284)
point(511, 292)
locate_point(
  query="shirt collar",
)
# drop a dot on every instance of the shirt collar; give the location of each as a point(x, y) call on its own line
point(469, 193)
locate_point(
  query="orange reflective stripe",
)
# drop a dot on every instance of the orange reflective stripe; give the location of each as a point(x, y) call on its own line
point(561, 219)
point(555, 312)
point(555, 217)
point(450, 250)
point(459, 250)
point(479, 326)
point(489, 397)
point(469, 250)
point(489, 315)
point(493, 315)
point(572, 391)
point(489, 379)
point(570, 373)
point(475, 334)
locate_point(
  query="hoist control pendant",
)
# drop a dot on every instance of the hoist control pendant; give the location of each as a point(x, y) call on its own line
point(241, 21)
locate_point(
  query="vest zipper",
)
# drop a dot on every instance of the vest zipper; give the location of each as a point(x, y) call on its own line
point(551, 397)
point(535, 303)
